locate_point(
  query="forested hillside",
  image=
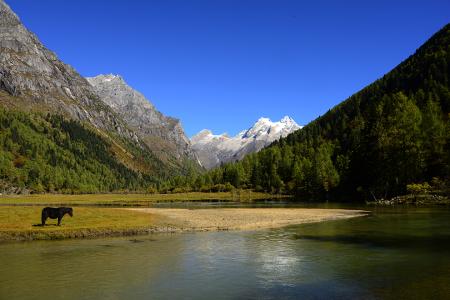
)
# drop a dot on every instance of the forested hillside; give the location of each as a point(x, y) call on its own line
point(394, 132)
point(50, 153)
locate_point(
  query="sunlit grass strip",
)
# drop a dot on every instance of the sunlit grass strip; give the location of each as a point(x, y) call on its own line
point(19, 223)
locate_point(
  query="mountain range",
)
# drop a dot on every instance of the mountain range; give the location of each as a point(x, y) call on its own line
point(104, 120)
point(213, 150)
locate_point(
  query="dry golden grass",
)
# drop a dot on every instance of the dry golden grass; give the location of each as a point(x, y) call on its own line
point(22, 223)
point(128, 199)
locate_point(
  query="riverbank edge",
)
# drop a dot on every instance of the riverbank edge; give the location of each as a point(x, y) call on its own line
point(161, 228)
point(87, 233)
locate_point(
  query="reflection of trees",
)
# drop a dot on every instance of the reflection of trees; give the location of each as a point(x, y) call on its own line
point(90, 269)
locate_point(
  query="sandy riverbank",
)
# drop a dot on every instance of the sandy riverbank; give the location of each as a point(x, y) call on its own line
point(243, 218)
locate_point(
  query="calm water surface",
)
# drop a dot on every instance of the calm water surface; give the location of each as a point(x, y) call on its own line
point(391, 254)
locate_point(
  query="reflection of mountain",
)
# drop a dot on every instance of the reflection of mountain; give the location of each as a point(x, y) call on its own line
point(212, 150)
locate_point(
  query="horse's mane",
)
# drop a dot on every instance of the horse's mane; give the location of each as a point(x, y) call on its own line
point(65, 209)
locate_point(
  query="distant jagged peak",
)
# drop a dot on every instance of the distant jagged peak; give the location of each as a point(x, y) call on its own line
point(287, 120)
point(265, 126)
point(206, 135)
point(263, 120)
point(262, 126)
point(205, 132)
point(202, 135)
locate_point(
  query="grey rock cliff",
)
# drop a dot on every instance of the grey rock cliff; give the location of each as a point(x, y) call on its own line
point(151, 125)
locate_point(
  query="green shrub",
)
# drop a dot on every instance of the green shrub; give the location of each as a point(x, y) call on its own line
point(151, 190)
point(418, 188)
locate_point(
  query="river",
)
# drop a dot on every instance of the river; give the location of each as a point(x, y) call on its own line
point(390, 254)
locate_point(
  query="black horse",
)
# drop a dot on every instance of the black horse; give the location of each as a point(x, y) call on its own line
point(55, 213)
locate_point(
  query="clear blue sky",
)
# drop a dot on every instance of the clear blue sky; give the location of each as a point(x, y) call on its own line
point(222, 64)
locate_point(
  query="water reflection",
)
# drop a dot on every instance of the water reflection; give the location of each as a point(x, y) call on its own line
point(391, 254)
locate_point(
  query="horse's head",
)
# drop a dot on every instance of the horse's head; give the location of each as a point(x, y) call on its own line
point(70, 211)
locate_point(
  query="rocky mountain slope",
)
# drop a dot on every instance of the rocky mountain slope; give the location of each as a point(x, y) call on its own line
point(212, 150)
point(33, 79)
point(163, 135)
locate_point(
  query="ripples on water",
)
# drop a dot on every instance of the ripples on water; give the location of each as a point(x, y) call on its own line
point(390, 254)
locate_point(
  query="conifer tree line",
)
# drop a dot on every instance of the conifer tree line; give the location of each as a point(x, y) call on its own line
point(393, 133)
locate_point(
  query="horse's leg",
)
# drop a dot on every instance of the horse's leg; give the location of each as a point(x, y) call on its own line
point(59, 220)
point(43, 218)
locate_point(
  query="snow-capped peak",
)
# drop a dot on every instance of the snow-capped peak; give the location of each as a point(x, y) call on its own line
point(263, 120)
point(215, 149)
point(264, 126)
point(287, 120)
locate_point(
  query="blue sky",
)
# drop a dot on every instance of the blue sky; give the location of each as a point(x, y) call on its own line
point(222, 64)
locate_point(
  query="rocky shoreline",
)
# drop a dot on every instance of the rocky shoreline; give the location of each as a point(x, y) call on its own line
point(410, 199)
